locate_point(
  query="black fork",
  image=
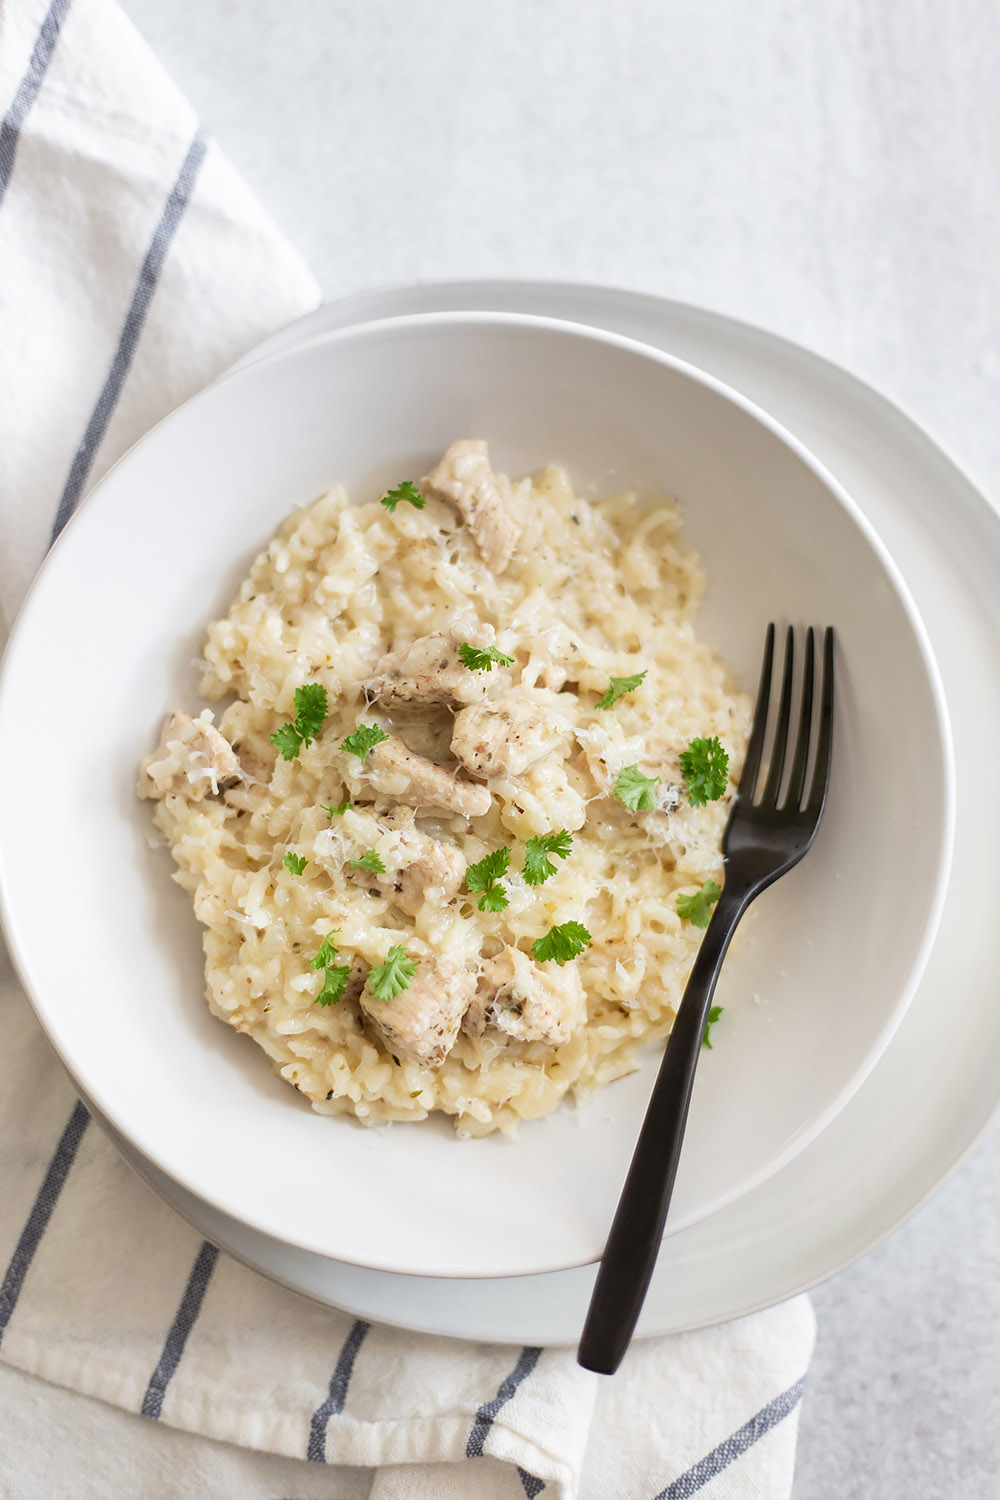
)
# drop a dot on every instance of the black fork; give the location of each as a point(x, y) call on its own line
point(763, 840)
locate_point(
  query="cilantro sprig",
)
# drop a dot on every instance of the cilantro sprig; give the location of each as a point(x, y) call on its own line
point(371, 861)
point(537, 866)
point(364, 738)
point(482, 658)
point(389, 979)
point(713, 1015)
point(484, 877)
point(697, 908)
point(406, 491)
point(334, 812)
point(705, 768)
point(636, 791)
point(294, 863)
point(618, 687)
point(334, 975)
point(311, 706)
point(561, 943)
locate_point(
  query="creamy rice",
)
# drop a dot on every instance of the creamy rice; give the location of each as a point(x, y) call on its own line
point(594, 589)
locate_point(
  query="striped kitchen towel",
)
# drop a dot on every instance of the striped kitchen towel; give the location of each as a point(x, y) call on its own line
point(134, 266)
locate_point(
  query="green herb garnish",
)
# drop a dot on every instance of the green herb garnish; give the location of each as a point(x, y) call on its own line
point(294, 863)
point(713, 1016)
point(697, 909)
point(481, 658)
point(705, 768)
point(618, 687)
point(391, 978)
point(310, 712)
point(537, 866)
point(334, 812)
point(561, 943)
point(364, 738)
point(335, 975)
point(372, 861)
point(405, 491)
point(485, 876)
point(635, 791)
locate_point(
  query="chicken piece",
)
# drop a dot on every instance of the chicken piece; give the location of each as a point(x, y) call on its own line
point(396, 773)
point(529, 1002)
point(505, 737)
point(429, 870)
point(422, 1023)
point(465, 481)
point(192, 759)
point(429, 673)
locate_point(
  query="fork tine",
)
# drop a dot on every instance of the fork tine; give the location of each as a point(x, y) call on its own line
point(797, 779)
point(755, 746)
point(770, 792)
point(821, 774)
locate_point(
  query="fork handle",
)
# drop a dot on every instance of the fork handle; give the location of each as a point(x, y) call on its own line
point(634, 1242)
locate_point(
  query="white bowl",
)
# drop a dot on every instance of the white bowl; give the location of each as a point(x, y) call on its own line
point(110, 952)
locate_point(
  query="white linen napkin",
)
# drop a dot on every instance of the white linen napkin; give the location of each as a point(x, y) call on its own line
point(134, 266)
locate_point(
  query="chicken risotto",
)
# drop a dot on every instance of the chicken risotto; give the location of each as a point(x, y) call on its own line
point(454, 835)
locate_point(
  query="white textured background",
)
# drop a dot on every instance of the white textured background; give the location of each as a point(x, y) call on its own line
point(831, 171)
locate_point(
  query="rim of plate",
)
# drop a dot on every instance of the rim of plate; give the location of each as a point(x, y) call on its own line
point(247, 373)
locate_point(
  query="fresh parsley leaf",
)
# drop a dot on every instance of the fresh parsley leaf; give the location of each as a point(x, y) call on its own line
point(485, 876)
point(405, 491)
point(288, 741)
point(635, 791)
point(334, 812)
point(371, 861)
point(391, 978)
point(334, 984)
point(364, 738)
point(311, 706)
point(481, 658)
point(294, 862)
point(327, 951)
point(537, 866)
point(705, 768)
point(310, 712)
point(713, 1015)
point(561, 943)
point(618, 687)
point(697, 909)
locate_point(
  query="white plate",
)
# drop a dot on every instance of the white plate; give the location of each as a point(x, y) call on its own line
point(775, 536)
point(937, 1087)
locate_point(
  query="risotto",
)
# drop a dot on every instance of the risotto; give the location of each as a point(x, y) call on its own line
point(453, 836)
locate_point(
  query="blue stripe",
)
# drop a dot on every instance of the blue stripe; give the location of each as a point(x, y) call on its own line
point(135, 319)
point(27, 92)
point(194, 1295)
point(486, 1415)
point(41, 1212)
point(333, 1403)
point(720, 1458)
point(530, 1483)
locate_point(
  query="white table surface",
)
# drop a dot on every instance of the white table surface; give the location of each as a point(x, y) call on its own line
point(827, 171)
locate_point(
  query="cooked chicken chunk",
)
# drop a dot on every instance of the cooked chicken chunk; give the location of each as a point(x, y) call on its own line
point(192, 759)
point(396, 773)
point(527, 1001)
point(429, 673)
point(504, 737)
point(429, 871)
point(464, 480)
point(421, 1024)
